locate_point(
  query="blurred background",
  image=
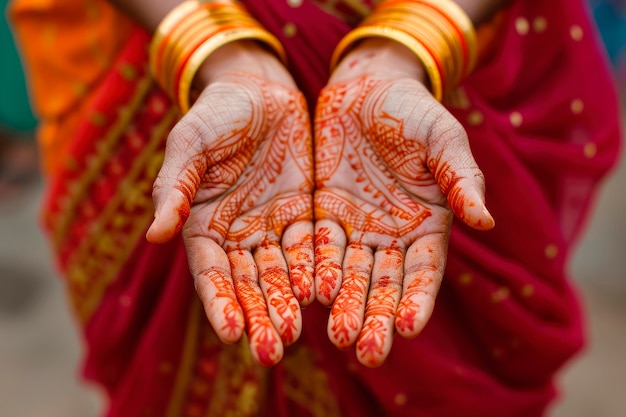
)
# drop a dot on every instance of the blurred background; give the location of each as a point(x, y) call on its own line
point(40, 350)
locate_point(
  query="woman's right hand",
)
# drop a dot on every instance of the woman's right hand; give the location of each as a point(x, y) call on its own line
point(237, 179)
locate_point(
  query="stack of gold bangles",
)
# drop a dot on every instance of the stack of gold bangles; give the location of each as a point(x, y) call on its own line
point(437, 31)
point(190, 33)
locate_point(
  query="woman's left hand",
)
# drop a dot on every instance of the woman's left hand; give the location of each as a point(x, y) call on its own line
point(392, 166)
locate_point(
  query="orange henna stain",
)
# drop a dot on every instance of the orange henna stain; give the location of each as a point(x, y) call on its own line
point(298, 280)
point(265, 347)
point(279, 297)
point(448, 181)
point(262, 339)
point(371, 342)
point(329, 272)
point(322, 237)
point(380, 309)
point(183, 215)
point(225, 291)
point(406, 314)
point(300, 273)
point(346, 309)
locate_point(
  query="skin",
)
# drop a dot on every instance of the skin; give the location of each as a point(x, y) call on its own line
point(392, 168)
point(237, 180)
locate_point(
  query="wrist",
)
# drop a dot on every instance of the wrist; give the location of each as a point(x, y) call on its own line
point(241, 56)
point(379, 55)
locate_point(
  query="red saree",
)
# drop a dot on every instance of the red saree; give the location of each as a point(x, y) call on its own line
point(542, 118)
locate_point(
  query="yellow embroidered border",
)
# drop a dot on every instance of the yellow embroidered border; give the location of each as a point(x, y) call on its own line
point(100, 256)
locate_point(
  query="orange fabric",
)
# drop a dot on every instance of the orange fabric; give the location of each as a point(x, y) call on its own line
point(68, 45)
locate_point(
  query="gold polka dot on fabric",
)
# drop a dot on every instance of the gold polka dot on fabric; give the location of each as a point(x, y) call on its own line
point(80, 89)
point(294, 3)
point(528, 290)
point(125, 301)
point(551, 251)
point(400, 399)
point(516, 119)
point(466, 279)
point(128, 71)
point(577, 106)
point(352, 367)
point(522, 26)
point(496, 353)
point(165, 367)
point(540, 24)
point(93, 11)
point(475, 118)
point(500, 295)
point(49, 35)
point(98, 119)
point(576, 32)
point(290, 30)
point(590, 150)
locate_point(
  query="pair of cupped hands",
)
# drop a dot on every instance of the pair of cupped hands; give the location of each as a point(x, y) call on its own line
point(354, 213)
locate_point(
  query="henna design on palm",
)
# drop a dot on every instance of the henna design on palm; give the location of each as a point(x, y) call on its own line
point(238, 174)
point(391, 167)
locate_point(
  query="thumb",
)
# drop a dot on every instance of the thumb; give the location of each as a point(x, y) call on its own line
point(175, 187)
point(451, 162)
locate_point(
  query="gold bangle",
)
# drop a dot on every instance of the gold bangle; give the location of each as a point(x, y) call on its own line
point(399, 36)
point(163, 30)
point(194, 38)
point(190, 33)
point(431, 28)
point(463, 23)
point(211, 45)
point(432, 39)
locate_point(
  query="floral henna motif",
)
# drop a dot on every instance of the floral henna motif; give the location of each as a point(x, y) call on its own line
point(300, 268)
point(251, 181)
point(408, 309)
point(347, 311)
point(273, 277)
point(224, 292)
point(264, 342)
point(375, 337)
point(380, 310)
point(381, 189)
point(327, 271)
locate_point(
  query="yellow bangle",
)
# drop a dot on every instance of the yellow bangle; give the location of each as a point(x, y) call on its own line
point(165, 28)
point(399, 36)
point(191, 32)
point(211, 45)
point(462, 22)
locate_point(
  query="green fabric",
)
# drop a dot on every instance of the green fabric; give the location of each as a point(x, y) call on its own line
point(15, 110)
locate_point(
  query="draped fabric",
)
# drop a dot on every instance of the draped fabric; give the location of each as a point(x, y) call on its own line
point(542, 118)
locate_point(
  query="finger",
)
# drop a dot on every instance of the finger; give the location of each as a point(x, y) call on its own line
point(346, 315)
point(265, 342)
point(424, 265)
point(330, 246)
point(376, 336)
point(177, 183)
point(211, 272)
point(459, 178)
point(299, 254)
point(283, 307)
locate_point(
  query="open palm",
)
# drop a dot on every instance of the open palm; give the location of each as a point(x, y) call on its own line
point(237, 179)
point(392, 165)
